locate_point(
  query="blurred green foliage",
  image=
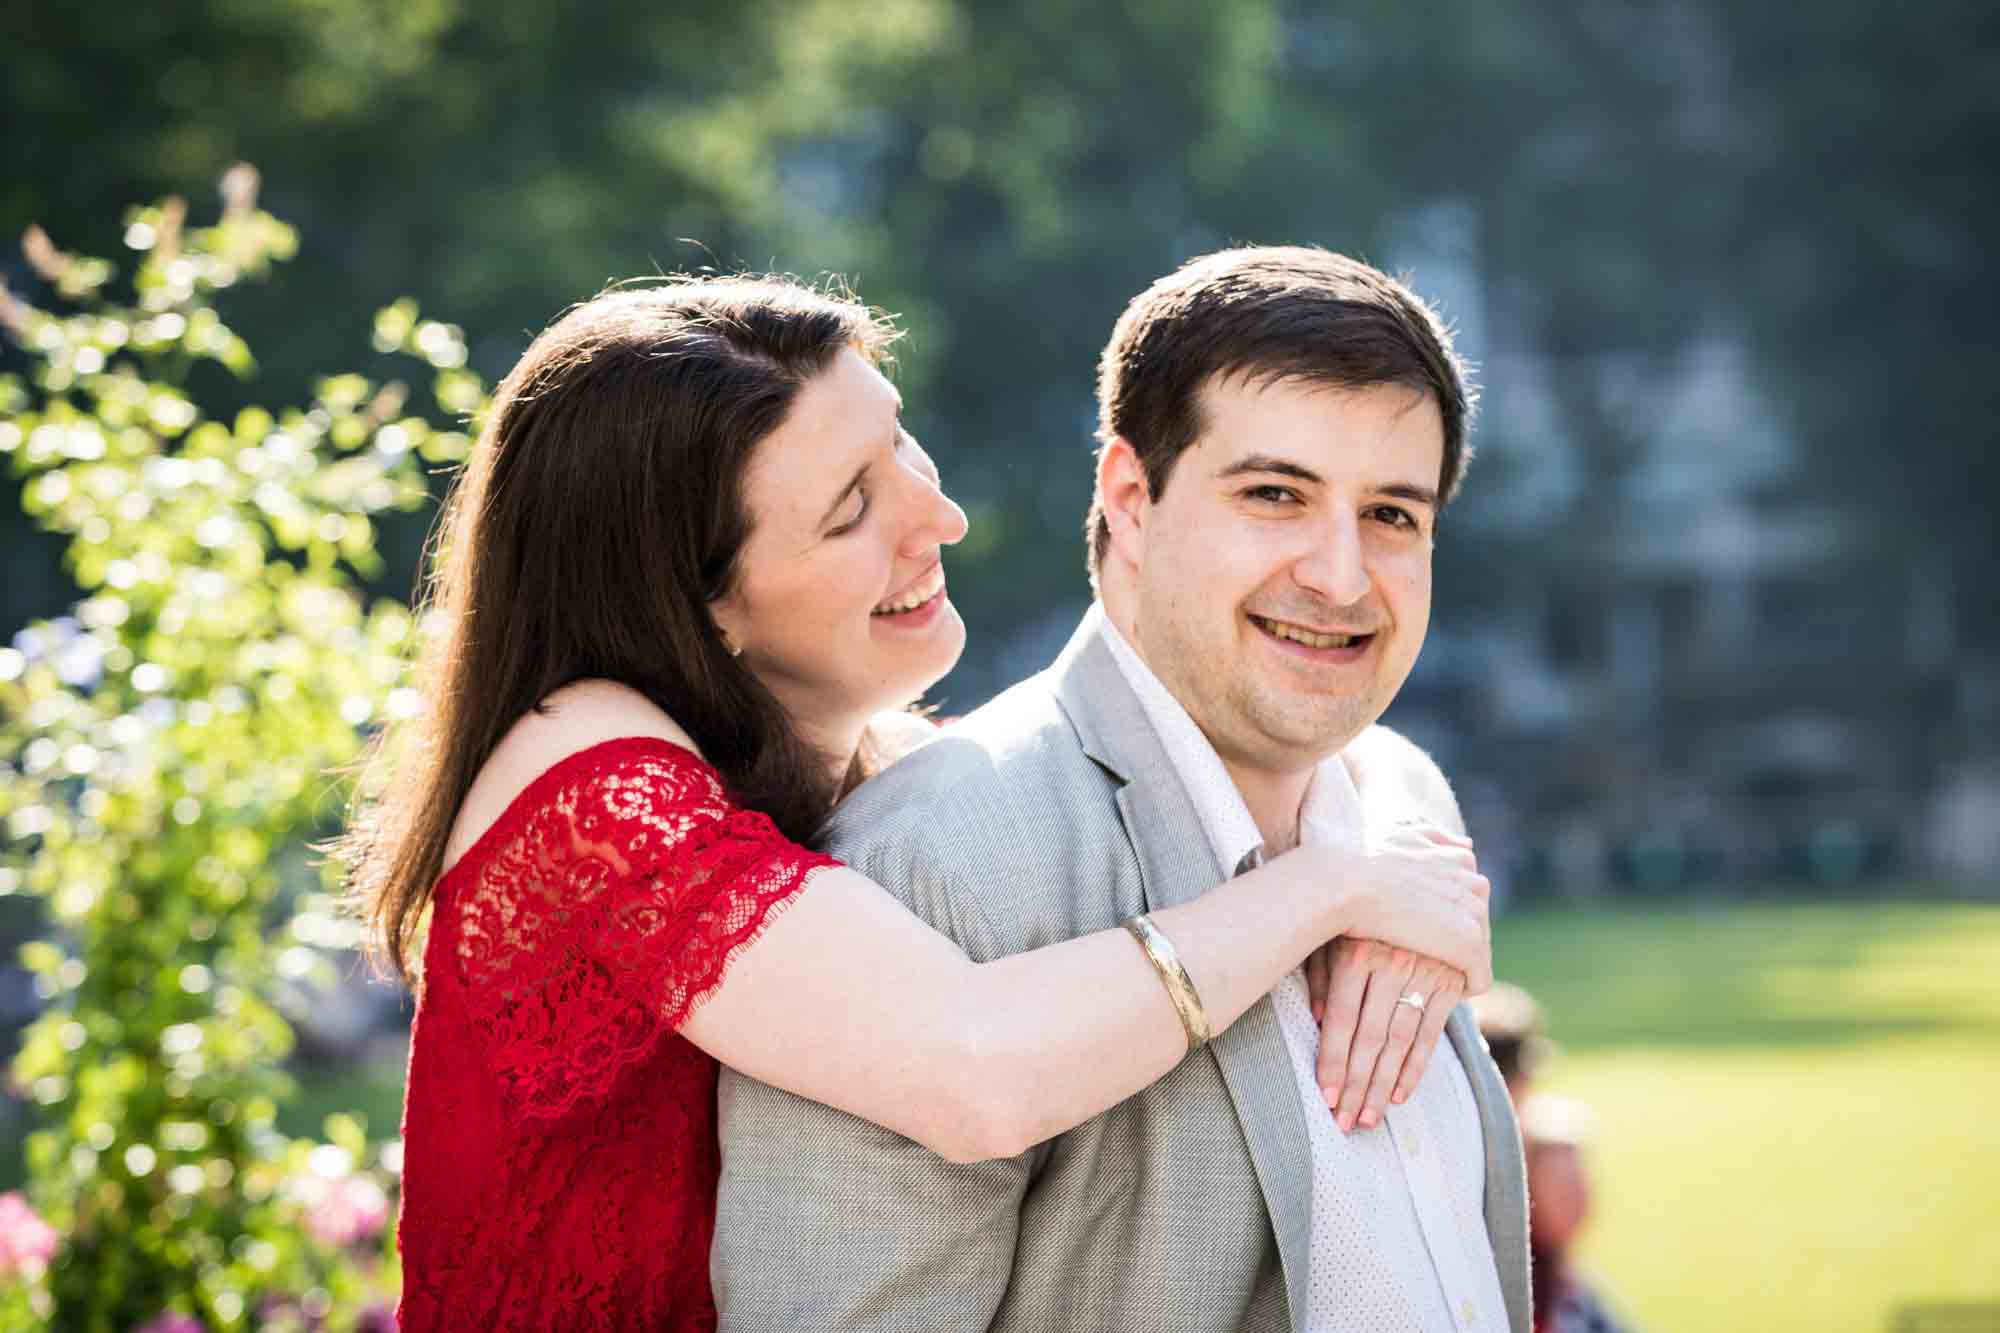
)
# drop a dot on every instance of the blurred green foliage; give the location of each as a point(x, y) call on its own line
point(173, 739)
point(1623, 180)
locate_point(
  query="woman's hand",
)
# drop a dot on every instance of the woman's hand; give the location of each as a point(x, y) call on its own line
point(1373, 1048)
point(1416, 924)
point(1415, 887)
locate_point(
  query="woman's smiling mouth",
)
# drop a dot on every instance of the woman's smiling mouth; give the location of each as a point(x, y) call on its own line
point(924, 590)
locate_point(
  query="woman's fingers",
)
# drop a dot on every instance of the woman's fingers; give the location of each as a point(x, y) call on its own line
point(1347, 986)
point(1437, 1009)
point(1319, 976)
point(1432, 833)
point(1478, 978)
point(1400, 1046)
point(1371, 1034)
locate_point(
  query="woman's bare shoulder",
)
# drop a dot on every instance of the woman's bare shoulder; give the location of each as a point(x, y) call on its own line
point(572, 719)
point(589, 711)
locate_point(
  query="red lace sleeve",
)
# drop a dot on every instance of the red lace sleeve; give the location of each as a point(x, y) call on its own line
point(606, 905)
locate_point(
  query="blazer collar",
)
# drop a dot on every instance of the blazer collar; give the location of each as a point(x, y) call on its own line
point(1110, 723)
point(1506, 1186)
point(1177, 864)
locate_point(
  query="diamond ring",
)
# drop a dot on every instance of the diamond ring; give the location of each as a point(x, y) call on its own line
point(1414, 998)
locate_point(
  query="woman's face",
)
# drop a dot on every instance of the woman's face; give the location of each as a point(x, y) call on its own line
point(839, 604)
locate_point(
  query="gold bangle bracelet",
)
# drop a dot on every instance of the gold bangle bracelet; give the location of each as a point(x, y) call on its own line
point(1187, 1003)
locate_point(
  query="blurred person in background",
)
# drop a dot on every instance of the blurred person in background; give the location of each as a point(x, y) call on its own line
point(1511, 1022)
point(1555, 1132)
point(691, 560)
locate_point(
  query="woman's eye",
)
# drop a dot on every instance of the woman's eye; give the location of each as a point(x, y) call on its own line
point(856, 512)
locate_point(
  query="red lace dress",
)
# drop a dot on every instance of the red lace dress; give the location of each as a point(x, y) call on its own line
point(560, 1157)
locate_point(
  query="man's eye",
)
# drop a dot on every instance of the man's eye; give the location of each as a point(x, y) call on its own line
point(1271, 494)
point(1394, 517)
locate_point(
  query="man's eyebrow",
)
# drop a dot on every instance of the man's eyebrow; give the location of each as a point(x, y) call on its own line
point(1283, 467)
point(1403, 490)
point(841, 498)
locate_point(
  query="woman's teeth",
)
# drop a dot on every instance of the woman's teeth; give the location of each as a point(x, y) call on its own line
point(915, 597)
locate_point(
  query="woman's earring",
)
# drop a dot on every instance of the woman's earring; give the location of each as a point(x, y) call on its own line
point(730, 645)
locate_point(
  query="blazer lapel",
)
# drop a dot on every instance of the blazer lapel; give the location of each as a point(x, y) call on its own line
point(1177, 864)
point(1506, 1197)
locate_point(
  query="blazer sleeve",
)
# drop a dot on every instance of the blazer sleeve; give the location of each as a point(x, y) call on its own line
point(824, 1220)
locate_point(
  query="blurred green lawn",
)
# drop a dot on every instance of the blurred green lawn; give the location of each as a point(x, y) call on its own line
point(1798, 1107)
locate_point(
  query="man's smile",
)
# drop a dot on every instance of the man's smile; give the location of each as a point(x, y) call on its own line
point(1325, 644)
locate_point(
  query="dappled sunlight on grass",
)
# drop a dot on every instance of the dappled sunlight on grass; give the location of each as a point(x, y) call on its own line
point(1759, 975)
point(1794, 1104)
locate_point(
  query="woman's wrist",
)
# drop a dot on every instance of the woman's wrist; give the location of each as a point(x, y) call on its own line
point(1317, 886)
point(1338, 884)
point(1180, 988)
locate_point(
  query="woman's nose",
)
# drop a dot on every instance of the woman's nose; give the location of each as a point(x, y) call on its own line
point(940, 522)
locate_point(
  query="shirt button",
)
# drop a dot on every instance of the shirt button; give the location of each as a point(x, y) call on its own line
point(1413, 1146)
point(1466, 1314)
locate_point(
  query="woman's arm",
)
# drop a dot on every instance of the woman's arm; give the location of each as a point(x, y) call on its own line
point(850, 1000)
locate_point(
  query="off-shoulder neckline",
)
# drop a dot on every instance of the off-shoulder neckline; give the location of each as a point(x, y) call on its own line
point(531, 797)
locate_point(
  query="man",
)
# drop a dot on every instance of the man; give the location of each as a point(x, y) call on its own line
point(1280, 429)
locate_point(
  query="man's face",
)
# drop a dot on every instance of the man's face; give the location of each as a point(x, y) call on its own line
point(1284, 578)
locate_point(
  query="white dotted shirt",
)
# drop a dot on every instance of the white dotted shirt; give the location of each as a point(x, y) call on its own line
point(1399, 1237)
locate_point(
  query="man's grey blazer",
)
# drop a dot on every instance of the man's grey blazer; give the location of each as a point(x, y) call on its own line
point(1050, 813)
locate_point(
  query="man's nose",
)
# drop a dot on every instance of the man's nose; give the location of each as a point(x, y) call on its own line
point(1336, 565)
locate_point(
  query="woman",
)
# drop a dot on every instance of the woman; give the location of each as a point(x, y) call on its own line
point(693, 554)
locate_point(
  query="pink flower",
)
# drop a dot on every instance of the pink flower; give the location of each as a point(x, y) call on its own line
point(171, 1321)
point(351, 1210)
point(377, 1318)
point(24, 1237)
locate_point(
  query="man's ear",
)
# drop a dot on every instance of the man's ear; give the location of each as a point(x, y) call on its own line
point(1124, 498)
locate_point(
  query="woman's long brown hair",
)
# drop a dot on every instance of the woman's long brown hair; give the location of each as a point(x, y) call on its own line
point(599, 513)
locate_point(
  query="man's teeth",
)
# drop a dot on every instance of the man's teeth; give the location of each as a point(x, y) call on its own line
point(1306, 636)
point(915, 597)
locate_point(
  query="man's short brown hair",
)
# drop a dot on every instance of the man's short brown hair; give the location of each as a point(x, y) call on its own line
point(1272, 313)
